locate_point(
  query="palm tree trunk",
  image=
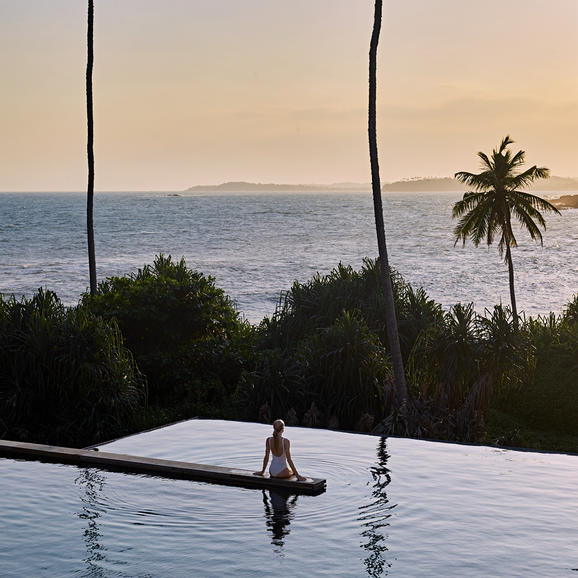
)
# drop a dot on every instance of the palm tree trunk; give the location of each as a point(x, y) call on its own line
point(512, 292)
point(90, 152)
point(390, 318)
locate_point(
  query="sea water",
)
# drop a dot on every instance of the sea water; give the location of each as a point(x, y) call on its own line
point(257, 245)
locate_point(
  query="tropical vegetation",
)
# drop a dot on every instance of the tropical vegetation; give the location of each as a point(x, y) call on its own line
point(66, 376)
point(165, 343)
point(549, 402)
point(184, 332)
point(323, 358)
point(487, 212)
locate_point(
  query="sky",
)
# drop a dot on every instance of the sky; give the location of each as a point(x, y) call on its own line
point(191, 92)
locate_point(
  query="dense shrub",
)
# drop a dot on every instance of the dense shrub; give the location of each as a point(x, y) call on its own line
point(320, 301)
point(347, 365)
point(322, 358)
point(65, 376)
point(333, 376)
point(185, 334)
point(446, 357)
point(549, 400)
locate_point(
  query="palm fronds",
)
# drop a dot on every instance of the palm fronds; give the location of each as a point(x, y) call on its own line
point(487, 212)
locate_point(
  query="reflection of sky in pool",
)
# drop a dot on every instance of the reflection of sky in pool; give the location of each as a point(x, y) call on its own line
point(393, 507)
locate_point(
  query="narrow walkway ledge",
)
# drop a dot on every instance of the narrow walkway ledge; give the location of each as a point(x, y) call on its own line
point(157, 467)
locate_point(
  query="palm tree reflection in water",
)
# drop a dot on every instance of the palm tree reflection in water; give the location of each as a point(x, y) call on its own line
point(278, 505)
point(92, 481)
point(375, 515)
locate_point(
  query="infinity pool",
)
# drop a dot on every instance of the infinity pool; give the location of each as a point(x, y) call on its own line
point(393, 507)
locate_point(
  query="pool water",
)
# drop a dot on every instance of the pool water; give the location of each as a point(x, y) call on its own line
point(393, 506)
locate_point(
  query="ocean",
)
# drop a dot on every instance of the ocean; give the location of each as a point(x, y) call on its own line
point(257, 245)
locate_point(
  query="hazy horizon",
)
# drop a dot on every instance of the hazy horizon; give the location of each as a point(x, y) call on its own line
point(345, 186)
point(205, 93)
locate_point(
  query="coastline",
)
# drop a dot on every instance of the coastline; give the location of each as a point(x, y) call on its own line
point(565, 202)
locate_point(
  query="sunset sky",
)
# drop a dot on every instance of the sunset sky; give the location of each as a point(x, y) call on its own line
point(200, 92)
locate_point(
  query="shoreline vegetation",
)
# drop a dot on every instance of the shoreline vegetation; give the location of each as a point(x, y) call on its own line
point(566, 202)
point(165, 344)
point(418, 184)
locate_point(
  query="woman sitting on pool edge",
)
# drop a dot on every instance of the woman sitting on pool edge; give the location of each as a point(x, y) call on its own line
point(282, 465)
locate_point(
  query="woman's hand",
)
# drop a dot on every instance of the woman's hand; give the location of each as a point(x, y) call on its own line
point(300, 477)
point(258, 473)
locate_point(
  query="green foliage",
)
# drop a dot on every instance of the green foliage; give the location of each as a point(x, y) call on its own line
point(570, 315)
point(548, 400)
point(488, 212)
point(445, 360)
point(184, 332)
point(322, 299)
point(65, 375)
point(505, 429)
point(417, 314)
point(320, 360)
point(318, 302)
point(322, 357)
point(347, 364)
point(508, 354)
point(459, 365)
point(326, 345)
point(333, 375)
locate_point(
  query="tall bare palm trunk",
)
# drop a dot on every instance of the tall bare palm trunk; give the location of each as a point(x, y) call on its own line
point(390, 318)
point(90, 152)
point(508, 240)
point(512, 292)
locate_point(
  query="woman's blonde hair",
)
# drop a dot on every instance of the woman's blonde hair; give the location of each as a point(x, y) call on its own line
point(278, 426)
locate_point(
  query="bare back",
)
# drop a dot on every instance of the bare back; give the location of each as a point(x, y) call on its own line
point(278, 446)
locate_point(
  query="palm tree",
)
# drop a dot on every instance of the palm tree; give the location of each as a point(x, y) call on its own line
point(90, 152)
point(390, 318)
point(496, 199)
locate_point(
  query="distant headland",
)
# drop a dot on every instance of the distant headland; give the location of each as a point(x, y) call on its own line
point(245, 187)
point(566, 202)
point(449, 184)
point(417, 184)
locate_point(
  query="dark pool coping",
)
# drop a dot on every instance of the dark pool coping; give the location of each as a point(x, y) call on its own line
point(158, 467)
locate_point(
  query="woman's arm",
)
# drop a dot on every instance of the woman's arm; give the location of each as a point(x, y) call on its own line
point(292, 465)
point(265, 459)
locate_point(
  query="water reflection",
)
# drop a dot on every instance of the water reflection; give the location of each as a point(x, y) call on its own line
point(279, 504)
point(92, 482)
point(375, 515)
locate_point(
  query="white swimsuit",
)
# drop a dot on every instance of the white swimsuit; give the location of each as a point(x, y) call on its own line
point(278, 463)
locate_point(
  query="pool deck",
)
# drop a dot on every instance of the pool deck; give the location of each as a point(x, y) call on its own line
point(155, 466)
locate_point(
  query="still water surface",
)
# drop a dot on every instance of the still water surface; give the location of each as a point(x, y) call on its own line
point(393, 507)
point(256, 245)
